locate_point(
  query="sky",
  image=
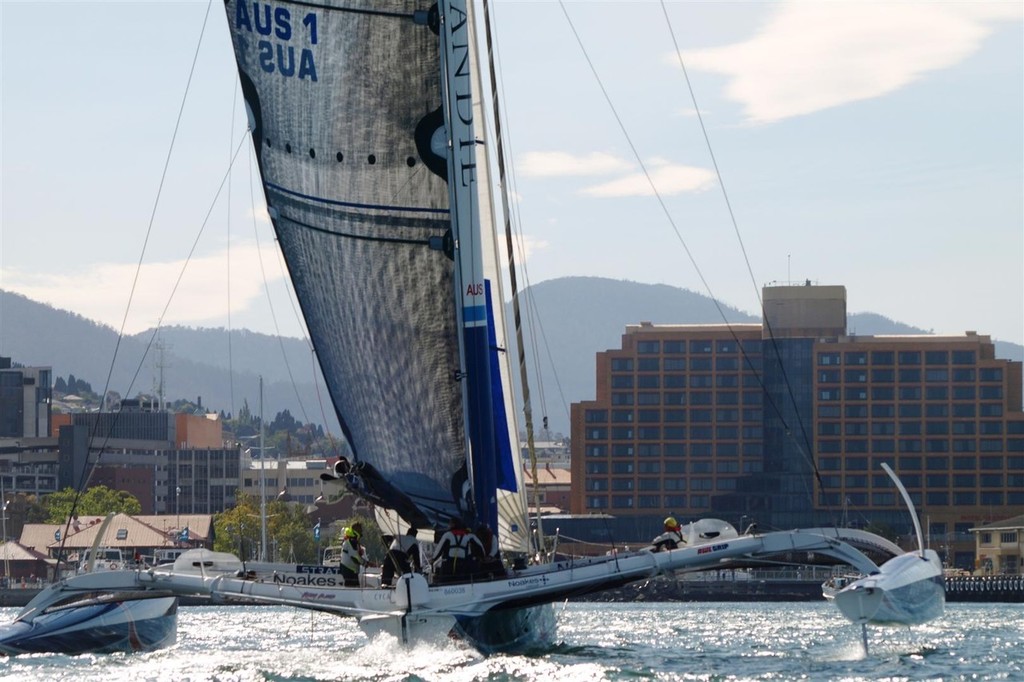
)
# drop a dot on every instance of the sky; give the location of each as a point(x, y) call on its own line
point(876, 145)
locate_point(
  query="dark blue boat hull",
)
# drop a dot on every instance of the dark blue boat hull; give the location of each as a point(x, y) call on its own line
point(96, 626)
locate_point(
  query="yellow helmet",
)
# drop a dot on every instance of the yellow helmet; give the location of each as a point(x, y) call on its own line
point(671, 522)
point(351, 533)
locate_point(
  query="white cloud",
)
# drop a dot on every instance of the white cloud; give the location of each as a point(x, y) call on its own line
point(552, 164)
point(815, 55)
point(101, 291)
point(668, 178)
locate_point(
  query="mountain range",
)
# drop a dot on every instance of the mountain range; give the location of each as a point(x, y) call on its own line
point(576, 317)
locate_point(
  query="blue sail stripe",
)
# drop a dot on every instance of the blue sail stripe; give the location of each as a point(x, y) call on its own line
point(351, 204)
point(474, 315)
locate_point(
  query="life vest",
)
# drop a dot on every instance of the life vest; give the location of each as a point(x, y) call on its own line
point(459, 549)
point(351, 556)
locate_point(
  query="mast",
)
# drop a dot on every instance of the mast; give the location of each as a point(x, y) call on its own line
point(510, 250)
point(471, 292)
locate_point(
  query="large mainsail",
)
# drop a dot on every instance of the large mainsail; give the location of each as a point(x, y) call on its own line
point(345, 106)
point(344, 101)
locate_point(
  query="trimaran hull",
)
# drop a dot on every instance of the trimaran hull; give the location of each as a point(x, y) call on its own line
point(114, 623)
point(415, 610)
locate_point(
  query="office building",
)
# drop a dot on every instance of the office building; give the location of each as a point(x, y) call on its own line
point(787, 423)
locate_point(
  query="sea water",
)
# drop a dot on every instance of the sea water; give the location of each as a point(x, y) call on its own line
point(650, 641)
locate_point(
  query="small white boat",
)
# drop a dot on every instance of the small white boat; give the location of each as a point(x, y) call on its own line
point(909, 589)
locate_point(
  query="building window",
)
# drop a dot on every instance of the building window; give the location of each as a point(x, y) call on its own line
point(648, 381)
point(648, 365)
point(990, 374)
point(648, 347)
point(622, 381)
point(701, 347)
point(909, 357)
point(596, 416)
point(936, 357)
point(828, 376)
point(910, 393)
point(856, 358)
point(966, 498)
point(910, 376)
point(648, 450)
point(963, 357)
point(883, 376)
point(882, 357)
point(828, 359)
point(856, 376)
point(964, 393)
point(674, 347)
point(961, 374)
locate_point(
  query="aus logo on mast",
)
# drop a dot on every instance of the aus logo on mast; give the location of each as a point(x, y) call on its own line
point(276, 30)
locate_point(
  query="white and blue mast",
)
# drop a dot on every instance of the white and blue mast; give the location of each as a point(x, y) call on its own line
point(470, 285)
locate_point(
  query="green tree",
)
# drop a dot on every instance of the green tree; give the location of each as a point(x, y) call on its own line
point(96, 501)
point(289, 530)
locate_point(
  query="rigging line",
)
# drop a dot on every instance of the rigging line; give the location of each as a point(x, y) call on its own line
point(88, 470)
point(498, 81)
point(270, 304)
point(231, 363)
point(746, 257)
point(664, 207)
point(138, 270)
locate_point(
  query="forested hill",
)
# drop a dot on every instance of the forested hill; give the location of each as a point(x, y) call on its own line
point(579, 316)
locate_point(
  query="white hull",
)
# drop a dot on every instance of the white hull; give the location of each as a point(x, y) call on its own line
point(512, 613)
point(907, 590)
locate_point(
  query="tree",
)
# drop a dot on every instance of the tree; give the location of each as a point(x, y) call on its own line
point(60, 386)
point(289, 530)
point(283, 421)
point(96, 501)
point(237, 530)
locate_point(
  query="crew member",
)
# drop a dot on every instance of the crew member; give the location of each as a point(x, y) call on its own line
point(672, 538)
point(352, 557)
point(403, 557)
point(490, 565)
point(457, 553)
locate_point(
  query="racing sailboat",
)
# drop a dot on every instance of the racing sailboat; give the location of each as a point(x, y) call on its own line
point(365, 118)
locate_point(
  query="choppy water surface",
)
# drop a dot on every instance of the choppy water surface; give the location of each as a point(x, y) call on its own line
point(661, 641)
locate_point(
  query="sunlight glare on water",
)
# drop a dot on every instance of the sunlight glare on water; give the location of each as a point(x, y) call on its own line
point(596, 641)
